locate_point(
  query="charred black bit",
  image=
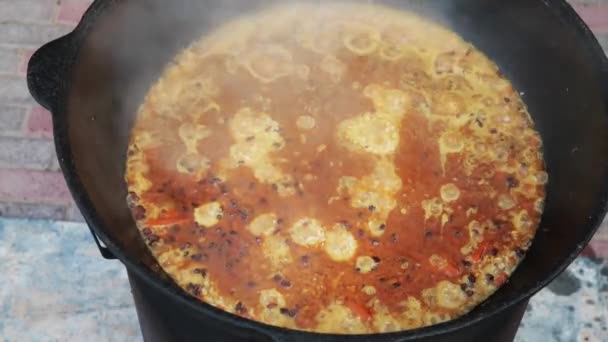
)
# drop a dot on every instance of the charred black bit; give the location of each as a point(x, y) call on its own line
point(469, 293)
point(371, 208)
point(201, 271)
point(464, 287)
point(194, 289)
point(471, 278)
point(498, 223)
point(376, 259)
point(507, 100)
point(428, 234)
point(152, 238)
point(287, 312)
point(240, 308)
point(494, 251)
point(277, 277)
point(382, 226)
point(479, 122)
point(466, 263)
point(244, 214)
point(200, 257)
point(132, 197)
point(285, 283)
point(489, 278)
point(139, 212)
point(382, 280)
point(233, 203)
point(512, 182)
point(396, 284)
point(219, 217)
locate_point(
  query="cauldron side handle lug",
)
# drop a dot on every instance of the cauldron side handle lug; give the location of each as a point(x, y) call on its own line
point(47, 77)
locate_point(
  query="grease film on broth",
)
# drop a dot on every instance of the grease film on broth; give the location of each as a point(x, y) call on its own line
point(342, 169)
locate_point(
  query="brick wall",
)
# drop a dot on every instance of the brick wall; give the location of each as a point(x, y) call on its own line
point(30, 182)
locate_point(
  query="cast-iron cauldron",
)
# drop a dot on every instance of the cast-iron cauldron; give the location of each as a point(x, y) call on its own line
point(93, 80)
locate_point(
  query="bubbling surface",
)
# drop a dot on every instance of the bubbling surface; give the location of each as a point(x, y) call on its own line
point(342, 169)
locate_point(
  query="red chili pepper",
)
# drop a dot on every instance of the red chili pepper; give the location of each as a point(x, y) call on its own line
point(167, 218)
point(359, 310)
point(480, 251)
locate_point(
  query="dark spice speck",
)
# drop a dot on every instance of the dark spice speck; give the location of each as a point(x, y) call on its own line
point(240, 308)
point(512, 182)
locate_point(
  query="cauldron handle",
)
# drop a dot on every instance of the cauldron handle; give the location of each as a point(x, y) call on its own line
point(46, 72)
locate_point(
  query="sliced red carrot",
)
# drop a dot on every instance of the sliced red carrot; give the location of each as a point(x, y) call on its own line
point(167, 218)
point(500, 279)
point(480, 251)
point(359, 310)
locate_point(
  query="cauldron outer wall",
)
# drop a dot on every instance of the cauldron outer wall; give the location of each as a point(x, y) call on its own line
point(94, 79)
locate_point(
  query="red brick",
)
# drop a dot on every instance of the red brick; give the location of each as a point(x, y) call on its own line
point(71, 11)
point(33, 187)
point(39, 123)
point(25, 57)
point(595, 16)
point(600, 248)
